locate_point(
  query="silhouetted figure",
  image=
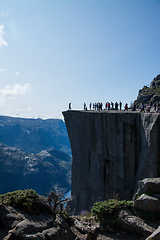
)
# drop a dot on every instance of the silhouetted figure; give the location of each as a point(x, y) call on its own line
point(90, 105)
point(120, 105)
point(126, 107)
point(134, 107)
point(112, 105)
point(116, 106)
point(70, 106)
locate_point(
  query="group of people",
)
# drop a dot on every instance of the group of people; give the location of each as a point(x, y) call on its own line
point(118, 106)
point(108, 106)
point(147, 107)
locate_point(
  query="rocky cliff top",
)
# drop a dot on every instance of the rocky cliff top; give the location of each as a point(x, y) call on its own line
point(150, 94)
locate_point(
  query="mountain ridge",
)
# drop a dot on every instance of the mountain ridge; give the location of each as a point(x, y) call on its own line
point(41, 172)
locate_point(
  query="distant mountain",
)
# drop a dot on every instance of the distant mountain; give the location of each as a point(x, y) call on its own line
point(34, 135)
point(41, 171)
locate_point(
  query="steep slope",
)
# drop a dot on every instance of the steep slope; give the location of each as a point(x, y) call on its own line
point(34, 135)
point(111, 151)
point(40, 172)
point(149, 95)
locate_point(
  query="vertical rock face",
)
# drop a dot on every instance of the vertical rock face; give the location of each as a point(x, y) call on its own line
point(111, 152)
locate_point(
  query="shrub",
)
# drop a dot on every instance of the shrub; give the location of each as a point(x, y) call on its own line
point(104, 211)
point(58, 203)
point(27, 200)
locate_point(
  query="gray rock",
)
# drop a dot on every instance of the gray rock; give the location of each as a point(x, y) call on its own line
point(8, 218)
point(133, 223)
point(150, 186)
point(155, 235)
point(147, 203)
point(111, 152)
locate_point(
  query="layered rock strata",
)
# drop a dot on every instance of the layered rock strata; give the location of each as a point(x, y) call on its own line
point(111, 152)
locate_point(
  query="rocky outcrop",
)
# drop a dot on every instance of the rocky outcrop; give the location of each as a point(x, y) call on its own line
point(19, 225)
point(41, 222)
point(147, 197)
point(111, 152)
point(133, 223)
point(16, 224)
point(149, 95)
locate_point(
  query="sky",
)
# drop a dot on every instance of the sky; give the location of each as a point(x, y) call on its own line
point(53, 52)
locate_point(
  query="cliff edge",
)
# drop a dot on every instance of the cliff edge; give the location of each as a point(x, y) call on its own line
point(111, 152)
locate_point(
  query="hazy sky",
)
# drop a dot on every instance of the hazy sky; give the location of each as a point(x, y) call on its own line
point(53, 52)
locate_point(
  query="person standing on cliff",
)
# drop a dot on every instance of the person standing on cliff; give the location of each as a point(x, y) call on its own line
point(126, 107)
point(70, 106)
point(142, 107)
point(112, 105)
point(120, 105)
point(116, 106)
point(90, 105)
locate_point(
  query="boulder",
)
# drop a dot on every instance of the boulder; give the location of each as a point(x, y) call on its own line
point(133, 223)
point(149, 186)
point(147, 203)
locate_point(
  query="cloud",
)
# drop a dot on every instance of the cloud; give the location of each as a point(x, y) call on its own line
point(2, 42)
point(17, 73)
point(4, 14)
point(2, 69)
point(16, 91)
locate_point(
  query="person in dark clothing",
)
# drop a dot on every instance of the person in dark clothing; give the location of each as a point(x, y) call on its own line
point(126, 107)
point(69, 106)
point(120, 105)
point(116, 106)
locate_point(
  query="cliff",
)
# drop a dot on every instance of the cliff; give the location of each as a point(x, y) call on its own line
point(111, 152)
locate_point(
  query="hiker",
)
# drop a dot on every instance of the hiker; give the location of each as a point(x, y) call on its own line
point(126, 107)
point(90, 105)
point(148, 108)
point(142, 108)
point(69, 106)
point(112, 105)
point(116, 106)
point(108, 106)
point(120, 105)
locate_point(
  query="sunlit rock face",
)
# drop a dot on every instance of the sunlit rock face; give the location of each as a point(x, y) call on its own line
point(111, 152)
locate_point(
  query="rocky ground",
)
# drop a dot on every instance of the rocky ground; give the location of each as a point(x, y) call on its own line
point(16, 224)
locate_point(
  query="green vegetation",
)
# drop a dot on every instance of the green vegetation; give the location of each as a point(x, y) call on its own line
point(104, 211)
point(27, 200)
